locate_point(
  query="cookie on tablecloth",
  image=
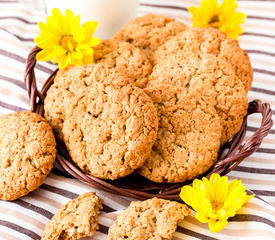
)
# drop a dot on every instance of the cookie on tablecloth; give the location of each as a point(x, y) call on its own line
point(76, 219)
point(188, 137)
point(149, 32)
point(211, 77)
point(197, 42)
point(109, 125)
point(27, 153)
point(125, 58)
point(148, 220)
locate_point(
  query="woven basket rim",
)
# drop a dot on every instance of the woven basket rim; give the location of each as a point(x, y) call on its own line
point(135, 186)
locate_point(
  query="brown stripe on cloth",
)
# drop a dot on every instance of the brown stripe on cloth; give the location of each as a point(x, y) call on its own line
point(258, 34)
point(261, 90)
point(254, 170)
point(12, 107)
point(266, 150)
point(264, 71)
point(17, 36)
point(261, 18)
point(260, 52)
point(103, 229)
point(264, 193)
point(163, 6)
point(23, 60)
point(17, 18)
point(13, 81)
point(251, 218)
point(194, 234)
point(20, 229)
point(33, 208)
point(22, 217)
point(70, 195)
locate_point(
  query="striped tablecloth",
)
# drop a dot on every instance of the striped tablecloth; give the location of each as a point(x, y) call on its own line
point(26, 217)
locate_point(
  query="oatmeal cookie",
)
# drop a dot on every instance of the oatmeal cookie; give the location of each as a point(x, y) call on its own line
point(211, 77)
point(188, 138)
point(125, 58)
point(76, 219)
point(197, 42)
point(27, 153)
point(148, 220)
point(149, 32)
point(108, 124)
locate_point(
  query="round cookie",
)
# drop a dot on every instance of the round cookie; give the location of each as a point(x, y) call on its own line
point(149, 32)
point(148, 220)
point(211, 77)
point(188, 137)
point(109, 124)
point(27, 153)
point(125, 58)
point(200, 41)
point(76, 219)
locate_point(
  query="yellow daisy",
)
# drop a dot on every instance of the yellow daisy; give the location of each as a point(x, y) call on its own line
point(63, 40)
point(215, 200)
point(223, 17)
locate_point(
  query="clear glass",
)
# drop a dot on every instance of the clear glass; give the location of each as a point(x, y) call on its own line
point(110, 14)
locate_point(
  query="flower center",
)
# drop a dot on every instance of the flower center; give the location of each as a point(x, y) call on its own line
point(216, 205)
point(214, 21)
point(68, 43)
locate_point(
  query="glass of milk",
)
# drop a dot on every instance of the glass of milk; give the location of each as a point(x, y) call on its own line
point(111, 15)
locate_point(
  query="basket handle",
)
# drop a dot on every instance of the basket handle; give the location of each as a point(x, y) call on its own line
point(30, 81)
point(232, 159)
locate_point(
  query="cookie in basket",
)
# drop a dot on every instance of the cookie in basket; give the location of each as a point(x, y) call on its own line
point(27, 153)
point(109, 126)
point(149, 32)
point(188, 138)
point(147, 220)
point(197, 42)
point(76, 219)
point(213, 78)
point(125, 58)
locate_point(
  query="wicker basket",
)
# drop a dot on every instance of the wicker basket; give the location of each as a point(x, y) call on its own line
point(135, 186)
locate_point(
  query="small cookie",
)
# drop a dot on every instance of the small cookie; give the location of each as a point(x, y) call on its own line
point(148, 220)
point(27, 153)
point(76, 219)
point(125, 58)
point(211, 77)
point(109, 125)
point(149, 32)
point(201, 41)
point(188, 137)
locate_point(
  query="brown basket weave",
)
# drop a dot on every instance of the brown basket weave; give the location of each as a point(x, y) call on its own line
point(135, 186)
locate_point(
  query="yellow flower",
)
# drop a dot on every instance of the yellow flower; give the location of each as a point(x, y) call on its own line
point(215, 200)
point(223, 17)
point(63, 40)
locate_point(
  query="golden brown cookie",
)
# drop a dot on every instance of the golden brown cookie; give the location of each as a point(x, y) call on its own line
point(148, 220)
point(125, 58)
point(27, 153)
point(149, 32)
point(76, 219)
point(200, 41)
point(188, 137)
point(108, 125)
point(213, 78)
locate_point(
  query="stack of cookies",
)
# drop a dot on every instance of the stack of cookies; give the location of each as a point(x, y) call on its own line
point(160, 100)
